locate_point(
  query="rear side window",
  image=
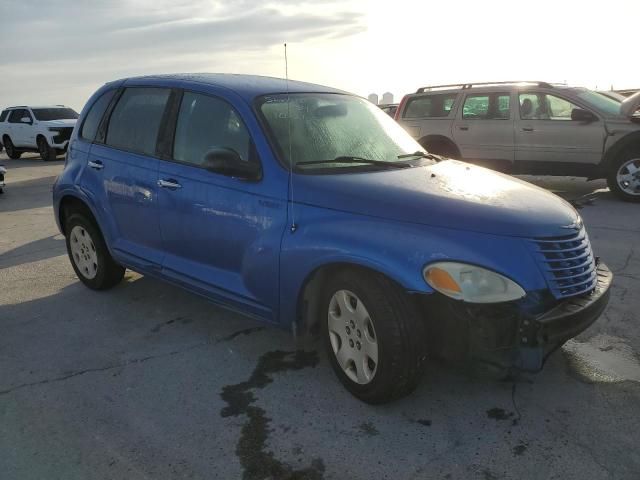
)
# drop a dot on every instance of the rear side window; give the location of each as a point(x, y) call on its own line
point(135, 120)
point(16, 115)
point(430, 106)
point(4, 115)
point(93, 118)
point(205, 123)
point(488, 106)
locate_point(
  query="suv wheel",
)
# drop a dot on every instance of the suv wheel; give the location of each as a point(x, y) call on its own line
point(12, 153)
point(89, 254)
point(373, 336)
point(47, 153)
point(624, 176)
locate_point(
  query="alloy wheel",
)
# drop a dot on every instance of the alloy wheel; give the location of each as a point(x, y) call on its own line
point(628, 177)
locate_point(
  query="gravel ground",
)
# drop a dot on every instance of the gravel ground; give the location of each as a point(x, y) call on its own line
point(149, 381)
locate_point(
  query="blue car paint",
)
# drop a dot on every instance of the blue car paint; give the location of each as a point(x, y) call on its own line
point(395, 222)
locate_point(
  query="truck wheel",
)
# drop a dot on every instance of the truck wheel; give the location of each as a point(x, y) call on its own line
point(89, 254)
point(624, 176)
point(12, 153)
point(47, 153)
point(373, 335)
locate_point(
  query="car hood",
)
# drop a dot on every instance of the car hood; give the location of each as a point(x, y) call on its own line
point(629, 106)
point(448, 194)
point(69, 122)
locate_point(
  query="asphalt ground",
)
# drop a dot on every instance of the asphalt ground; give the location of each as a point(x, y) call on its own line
point(147, 381)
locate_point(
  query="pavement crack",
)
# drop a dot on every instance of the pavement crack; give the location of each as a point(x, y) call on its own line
point(78, 373)
point(244, 331)
point(258, 463)
point(626, 262)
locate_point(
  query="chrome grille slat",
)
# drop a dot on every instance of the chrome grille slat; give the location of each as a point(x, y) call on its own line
point(568, 263)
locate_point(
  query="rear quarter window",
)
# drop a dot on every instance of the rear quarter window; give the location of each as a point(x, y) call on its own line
point(4, 115)
point(92, 120)
point(430, 106)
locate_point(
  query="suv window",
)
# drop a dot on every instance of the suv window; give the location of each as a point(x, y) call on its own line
point(488, 106)
point(46, 114)
point(4, 115)
point(135, 120)
point(204, 123)
point(17, 114)
point(429, 106)
point(541, 106)
point(93, 118)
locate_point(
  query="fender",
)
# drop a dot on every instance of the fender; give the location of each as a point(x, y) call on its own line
point(398, 250)
point(612, 153)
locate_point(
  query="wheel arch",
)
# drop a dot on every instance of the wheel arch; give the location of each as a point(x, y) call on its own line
point(71, 203)
point(308, 313)
point(629, 140)
point(439, 140)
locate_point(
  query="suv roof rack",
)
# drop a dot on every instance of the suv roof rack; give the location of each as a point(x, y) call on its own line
point(465, 86)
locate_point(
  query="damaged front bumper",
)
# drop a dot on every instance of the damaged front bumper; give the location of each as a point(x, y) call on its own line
point(510, 335)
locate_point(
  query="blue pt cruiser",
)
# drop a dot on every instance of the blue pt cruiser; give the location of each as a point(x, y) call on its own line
point(310, 208)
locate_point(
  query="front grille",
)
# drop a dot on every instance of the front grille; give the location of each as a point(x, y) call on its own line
point(568, 263)
point(63, 135)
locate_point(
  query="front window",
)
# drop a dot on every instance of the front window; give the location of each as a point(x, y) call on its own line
point(318, 127)
point(46, 114)
point(541, 106)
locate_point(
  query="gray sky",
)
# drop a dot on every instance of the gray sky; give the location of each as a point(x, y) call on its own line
point(60, 51)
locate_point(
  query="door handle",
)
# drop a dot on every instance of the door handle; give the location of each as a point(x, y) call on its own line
point(527, 129)
point(465, 128)
point(171, 184)
point(95, 164)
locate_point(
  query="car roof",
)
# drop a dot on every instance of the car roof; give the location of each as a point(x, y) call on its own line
point(247, 86)
point(36, 106)
point(497, 87)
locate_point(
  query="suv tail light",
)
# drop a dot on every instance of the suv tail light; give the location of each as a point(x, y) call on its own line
point(396, 117)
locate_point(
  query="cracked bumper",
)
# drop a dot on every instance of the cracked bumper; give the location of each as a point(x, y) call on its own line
point(507, 335)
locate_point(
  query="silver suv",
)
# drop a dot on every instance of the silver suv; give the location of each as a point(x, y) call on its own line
point(531, 128)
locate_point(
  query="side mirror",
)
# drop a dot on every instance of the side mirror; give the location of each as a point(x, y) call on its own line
point(580, 115)
point(226, 161)
point(25, 120)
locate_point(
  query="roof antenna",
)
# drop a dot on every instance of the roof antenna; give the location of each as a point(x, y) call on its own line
point(294, 227)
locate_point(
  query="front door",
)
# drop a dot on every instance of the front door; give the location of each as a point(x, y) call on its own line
point(221, 234)
point(483, 129)
point(124, 172)
point(19, 130)
point(545, 133)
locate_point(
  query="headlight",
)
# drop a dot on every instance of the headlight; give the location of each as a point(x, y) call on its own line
point(470, 283)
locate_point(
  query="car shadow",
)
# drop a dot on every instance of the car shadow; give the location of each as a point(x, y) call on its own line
point(42, 249)
point(26, 194)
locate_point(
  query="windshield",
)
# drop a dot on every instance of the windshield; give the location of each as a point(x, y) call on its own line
point(601, 102)
point(46, 114)
point(328, 127)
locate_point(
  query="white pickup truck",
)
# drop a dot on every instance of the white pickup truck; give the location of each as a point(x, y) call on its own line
point(45, 130)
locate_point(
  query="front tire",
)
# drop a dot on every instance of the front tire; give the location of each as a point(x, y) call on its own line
point(47, 153)
point(89, 254)
point(624, 176)
point(373, 335)
point(10, 148)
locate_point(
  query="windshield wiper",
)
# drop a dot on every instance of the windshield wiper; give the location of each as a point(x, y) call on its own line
point(352, 159)
point(422, 155)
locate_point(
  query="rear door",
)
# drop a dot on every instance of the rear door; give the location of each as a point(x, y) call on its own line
point(221, 234)
point(483, 129)
point(122, 175)
point(546, 133)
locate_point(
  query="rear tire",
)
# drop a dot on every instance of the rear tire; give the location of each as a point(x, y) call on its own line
point(374, 336)
point(89, 254)
point(623, 177)
point(47, 153)
point(10, 148)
